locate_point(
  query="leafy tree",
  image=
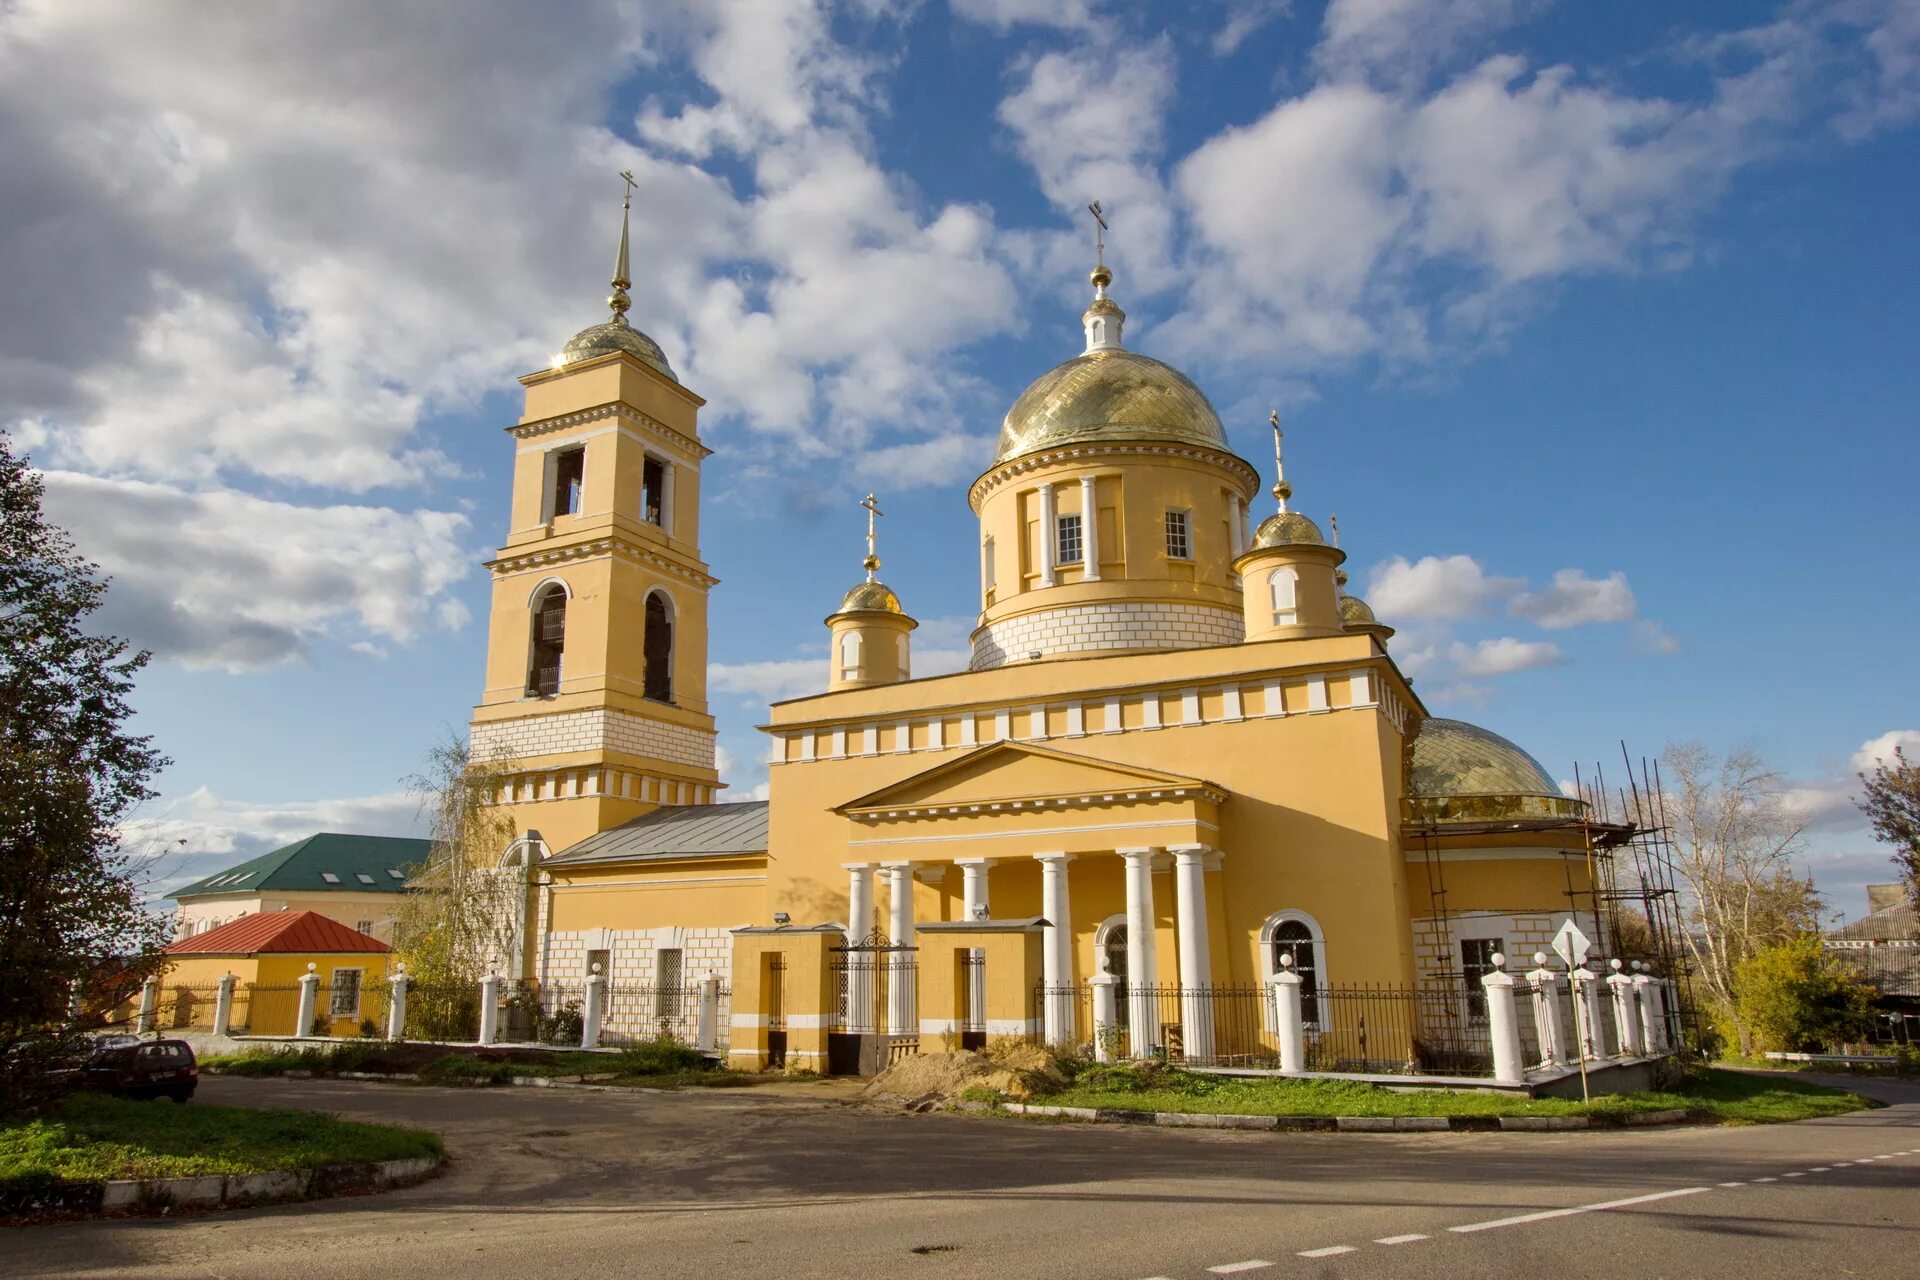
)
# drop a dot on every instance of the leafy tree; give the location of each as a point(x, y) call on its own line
point(1796, 996)
point(1892, 805)
point(69, 774)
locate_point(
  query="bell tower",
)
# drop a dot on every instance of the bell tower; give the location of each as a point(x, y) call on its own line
point(596, 697)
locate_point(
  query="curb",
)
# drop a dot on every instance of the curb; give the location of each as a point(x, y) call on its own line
point(232, 1190)
point(1323, 1124)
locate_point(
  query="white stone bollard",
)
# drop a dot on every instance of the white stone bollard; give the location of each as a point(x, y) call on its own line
point(1503, 1025)
point(1626, 1011)
point(1106, 1015)
point(223, 1006)
point(595, 1011)
point(1546, 1011)
point(397, 1004)
point(707, 1035)
point(1287, 1019)
point(1653, 1017)
point(490, 1008)
point(1586, 995)
point(309, 1002)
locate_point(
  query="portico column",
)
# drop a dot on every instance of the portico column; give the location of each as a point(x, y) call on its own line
point(903, 1015)
point(1196, 965)
point(1048, 535)
point(974, 906)
point(1089, 531)
point(859, 970)
point(1143, 970)
point(1056, 957)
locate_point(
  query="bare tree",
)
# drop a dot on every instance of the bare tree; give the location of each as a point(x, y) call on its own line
point(1735, 841)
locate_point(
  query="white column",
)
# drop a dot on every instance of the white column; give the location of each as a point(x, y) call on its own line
point(903, 1017)
point(1546, 1011)
point(595, 1011)
point(1237, 525)
point(490, 1008)
point(1048, 534)
point(974, 906)
point(1089, 530)
point(309, 1000)
point(1196, 962)
point(860, 978)
point(1647, 994)
point(1143, 970)
point(1502, 1025)
point(1056, 957)
point(397, 1004)
point(1106, 1016)
point(1626, 1012)
point(1287, 1019)
point(1586, 997)
point(223, 1005)
point(707, 1035)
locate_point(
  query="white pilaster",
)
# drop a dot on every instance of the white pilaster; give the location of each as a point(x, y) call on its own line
point(1196, 963)
point(1143, 971)
point(1237, 527)
point(1089, 530)
point(902, 999)
point(1048, 536)
point(1056, 957)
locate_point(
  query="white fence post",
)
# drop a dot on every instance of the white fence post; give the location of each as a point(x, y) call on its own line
point(1546, 1011)
point(309, 1002)
point(1653, 1021)
point(1586, 994)
point(1287, 1019)
point(223, 1006)
point(1626, 1014)
point(76, 999)
point(397, 1004)
point(149, 998)
point(1106, 1015)
point(1503, 1025)
point(490, 1008)
point(595, 1011)
point(708, 1033)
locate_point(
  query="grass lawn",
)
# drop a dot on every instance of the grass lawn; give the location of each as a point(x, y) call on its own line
point(1726, 1096)
point(91, 1138)
point(655, 1064)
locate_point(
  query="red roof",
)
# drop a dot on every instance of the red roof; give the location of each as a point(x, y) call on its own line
point(276, 931)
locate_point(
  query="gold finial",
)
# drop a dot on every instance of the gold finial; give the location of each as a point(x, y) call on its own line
point(1101, 277)
point(618, 299)
point(1281, 489)
point(872, 563)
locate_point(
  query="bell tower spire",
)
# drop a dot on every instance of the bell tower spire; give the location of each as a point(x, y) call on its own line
point(622, 281)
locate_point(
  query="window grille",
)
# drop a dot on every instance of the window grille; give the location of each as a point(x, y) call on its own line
point(1179, 540)
point(602, 958)
point(549, 644)
point(1476, 962)
point(346, 993)
point(666, 983)
point(1067, 541)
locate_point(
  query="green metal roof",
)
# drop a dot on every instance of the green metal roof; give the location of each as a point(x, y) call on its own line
point(319, 864)
point(676, 831)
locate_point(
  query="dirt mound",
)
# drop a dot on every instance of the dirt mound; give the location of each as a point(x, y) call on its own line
point(927, 1080)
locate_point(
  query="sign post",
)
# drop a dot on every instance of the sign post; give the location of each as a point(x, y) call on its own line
point(1573, 947)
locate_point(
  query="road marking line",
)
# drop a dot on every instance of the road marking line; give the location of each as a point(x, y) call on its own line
point(1229, 1268)
point(1409, 1238)
point(1766, 1179)
point(1330, 1251)
point(1733, 1184)
point(1795, 1174)
point(1841, 1164)
point(1545, 1214)
point(1820, 1168)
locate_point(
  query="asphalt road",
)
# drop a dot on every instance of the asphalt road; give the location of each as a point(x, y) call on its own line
point(740, 1184)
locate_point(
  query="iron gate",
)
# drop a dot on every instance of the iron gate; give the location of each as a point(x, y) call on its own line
point(875, 1022)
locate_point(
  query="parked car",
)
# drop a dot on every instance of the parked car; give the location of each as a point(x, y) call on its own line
point(146, 1070)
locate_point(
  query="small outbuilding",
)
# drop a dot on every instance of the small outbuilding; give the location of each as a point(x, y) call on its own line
point(267, 953)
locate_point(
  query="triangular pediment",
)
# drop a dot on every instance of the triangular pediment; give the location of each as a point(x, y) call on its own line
point(1019, 773)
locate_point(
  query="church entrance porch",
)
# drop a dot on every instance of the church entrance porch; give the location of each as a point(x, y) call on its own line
point(876, 986)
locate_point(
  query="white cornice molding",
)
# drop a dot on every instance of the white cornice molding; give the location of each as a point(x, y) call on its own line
point(541, 557)
point(612, 409)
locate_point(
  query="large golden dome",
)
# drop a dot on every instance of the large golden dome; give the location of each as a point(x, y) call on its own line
point(1111, 394)
point(1454, 758)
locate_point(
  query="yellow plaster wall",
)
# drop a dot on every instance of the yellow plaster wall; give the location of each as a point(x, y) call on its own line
point(710, 894)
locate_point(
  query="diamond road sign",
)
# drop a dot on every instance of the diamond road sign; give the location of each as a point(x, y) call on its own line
point(1571, 945)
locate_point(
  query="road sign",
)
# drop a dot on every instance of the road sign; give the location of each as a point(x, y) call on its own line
point(1571, 945)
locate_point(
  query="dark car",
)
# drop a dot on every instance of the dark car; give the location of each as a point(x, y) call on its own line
point(147, 1070)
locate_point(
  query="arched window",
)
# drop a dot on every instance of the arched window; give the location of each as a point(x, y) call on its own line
point(549, 641)
point(1111, 940)
point(657, 649)
point(850, 656)
point(1283, 584)
point(1297, 935)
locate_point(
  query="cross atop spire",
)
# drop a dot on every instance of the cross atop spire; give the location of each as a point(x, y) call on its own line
point(872, 563)
point(1281, 489)
point(618, 299)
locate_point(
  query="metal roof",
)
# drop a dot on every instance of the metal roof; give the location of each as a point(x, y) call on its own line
point(676, 831)
point(277, 932)
point(323, 862)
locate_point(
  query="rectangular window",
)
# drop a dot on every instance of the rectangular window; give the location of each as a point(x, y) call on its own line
point(364, 926)
point(1476, 962)
point(603, 959)
point(666, 983)
point(1067, 540)
point(653, 491)
point(346, 993)
point(987, 574)
point(1179, 541)
point(569, 477)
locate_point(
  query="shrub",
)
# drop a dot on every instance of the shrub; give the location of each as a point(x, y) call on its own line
point(368, 1030)
point(658, 1056)
point(1795, 996)
point(460, 1069)
point(563, 1025)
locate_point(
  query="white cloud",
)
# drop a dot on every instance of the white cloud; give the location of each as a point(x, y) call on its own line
point(1003, 14)
point(771, 681)
point(1400, 40)
point(1575, 600)
point(1875, 750)
point(224, 579)
point(1434, 587)
point(1504, 655)
point(1651, 637)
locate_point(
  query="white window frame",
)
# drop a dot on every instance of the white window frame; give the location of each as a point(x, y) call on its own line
point(850, 648)
point(988, 577)
point(1283, 593)
point(1184, 519)
point(1268, 928)
point(1063, 525)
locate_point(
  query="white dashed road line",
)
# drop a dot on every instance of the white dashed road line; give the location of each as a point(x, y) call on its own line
point(1409, 1238)
point(1330, 1251)
point(1234, 1268)
point(1545, 1214)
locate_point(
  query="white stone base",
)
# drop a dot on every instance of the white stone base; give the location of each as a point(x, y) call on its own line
point(1096, 628)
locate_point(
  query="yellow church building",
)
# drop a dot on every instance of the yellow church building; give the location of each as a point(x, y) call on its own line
point(1182, 757)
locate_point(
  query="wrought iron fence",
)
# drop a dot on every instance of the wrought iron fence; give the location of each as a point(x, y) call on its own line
point(645, 1011)
point(186, 1006)
point(444, 1011)
point(271, 1010)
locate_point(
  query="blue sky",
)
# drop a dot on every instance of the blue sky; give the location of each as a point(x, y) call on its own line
point(1594, 324)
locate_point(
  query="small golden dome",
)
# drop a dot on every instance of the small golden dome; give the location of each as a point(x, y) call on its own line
point(609, 337)
point(1111, 394)
point(871, 597)
point(1287, 529)
point(1357, 612)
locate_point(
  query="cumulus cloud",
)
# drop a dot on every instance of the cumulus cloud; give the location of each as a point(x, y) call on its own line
point(774, 680)
point(1504, 655)
point(1875, 750)
point(1576, 600)
point(1400, 40)
point(1002, 14)
point(1435, 587)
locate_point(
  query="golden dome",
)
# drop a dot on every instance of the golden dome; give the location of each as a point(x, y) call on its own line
point(1454, 758)
point(871, 597)
point(1287, 529)
point(1357, 612)
point(1111, 394)
point(609, 337)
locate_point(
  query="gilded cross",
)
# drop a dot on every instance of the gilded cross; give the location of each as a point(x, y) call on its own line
point(626, 201)
point(872, 509)
point(1099, 232)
